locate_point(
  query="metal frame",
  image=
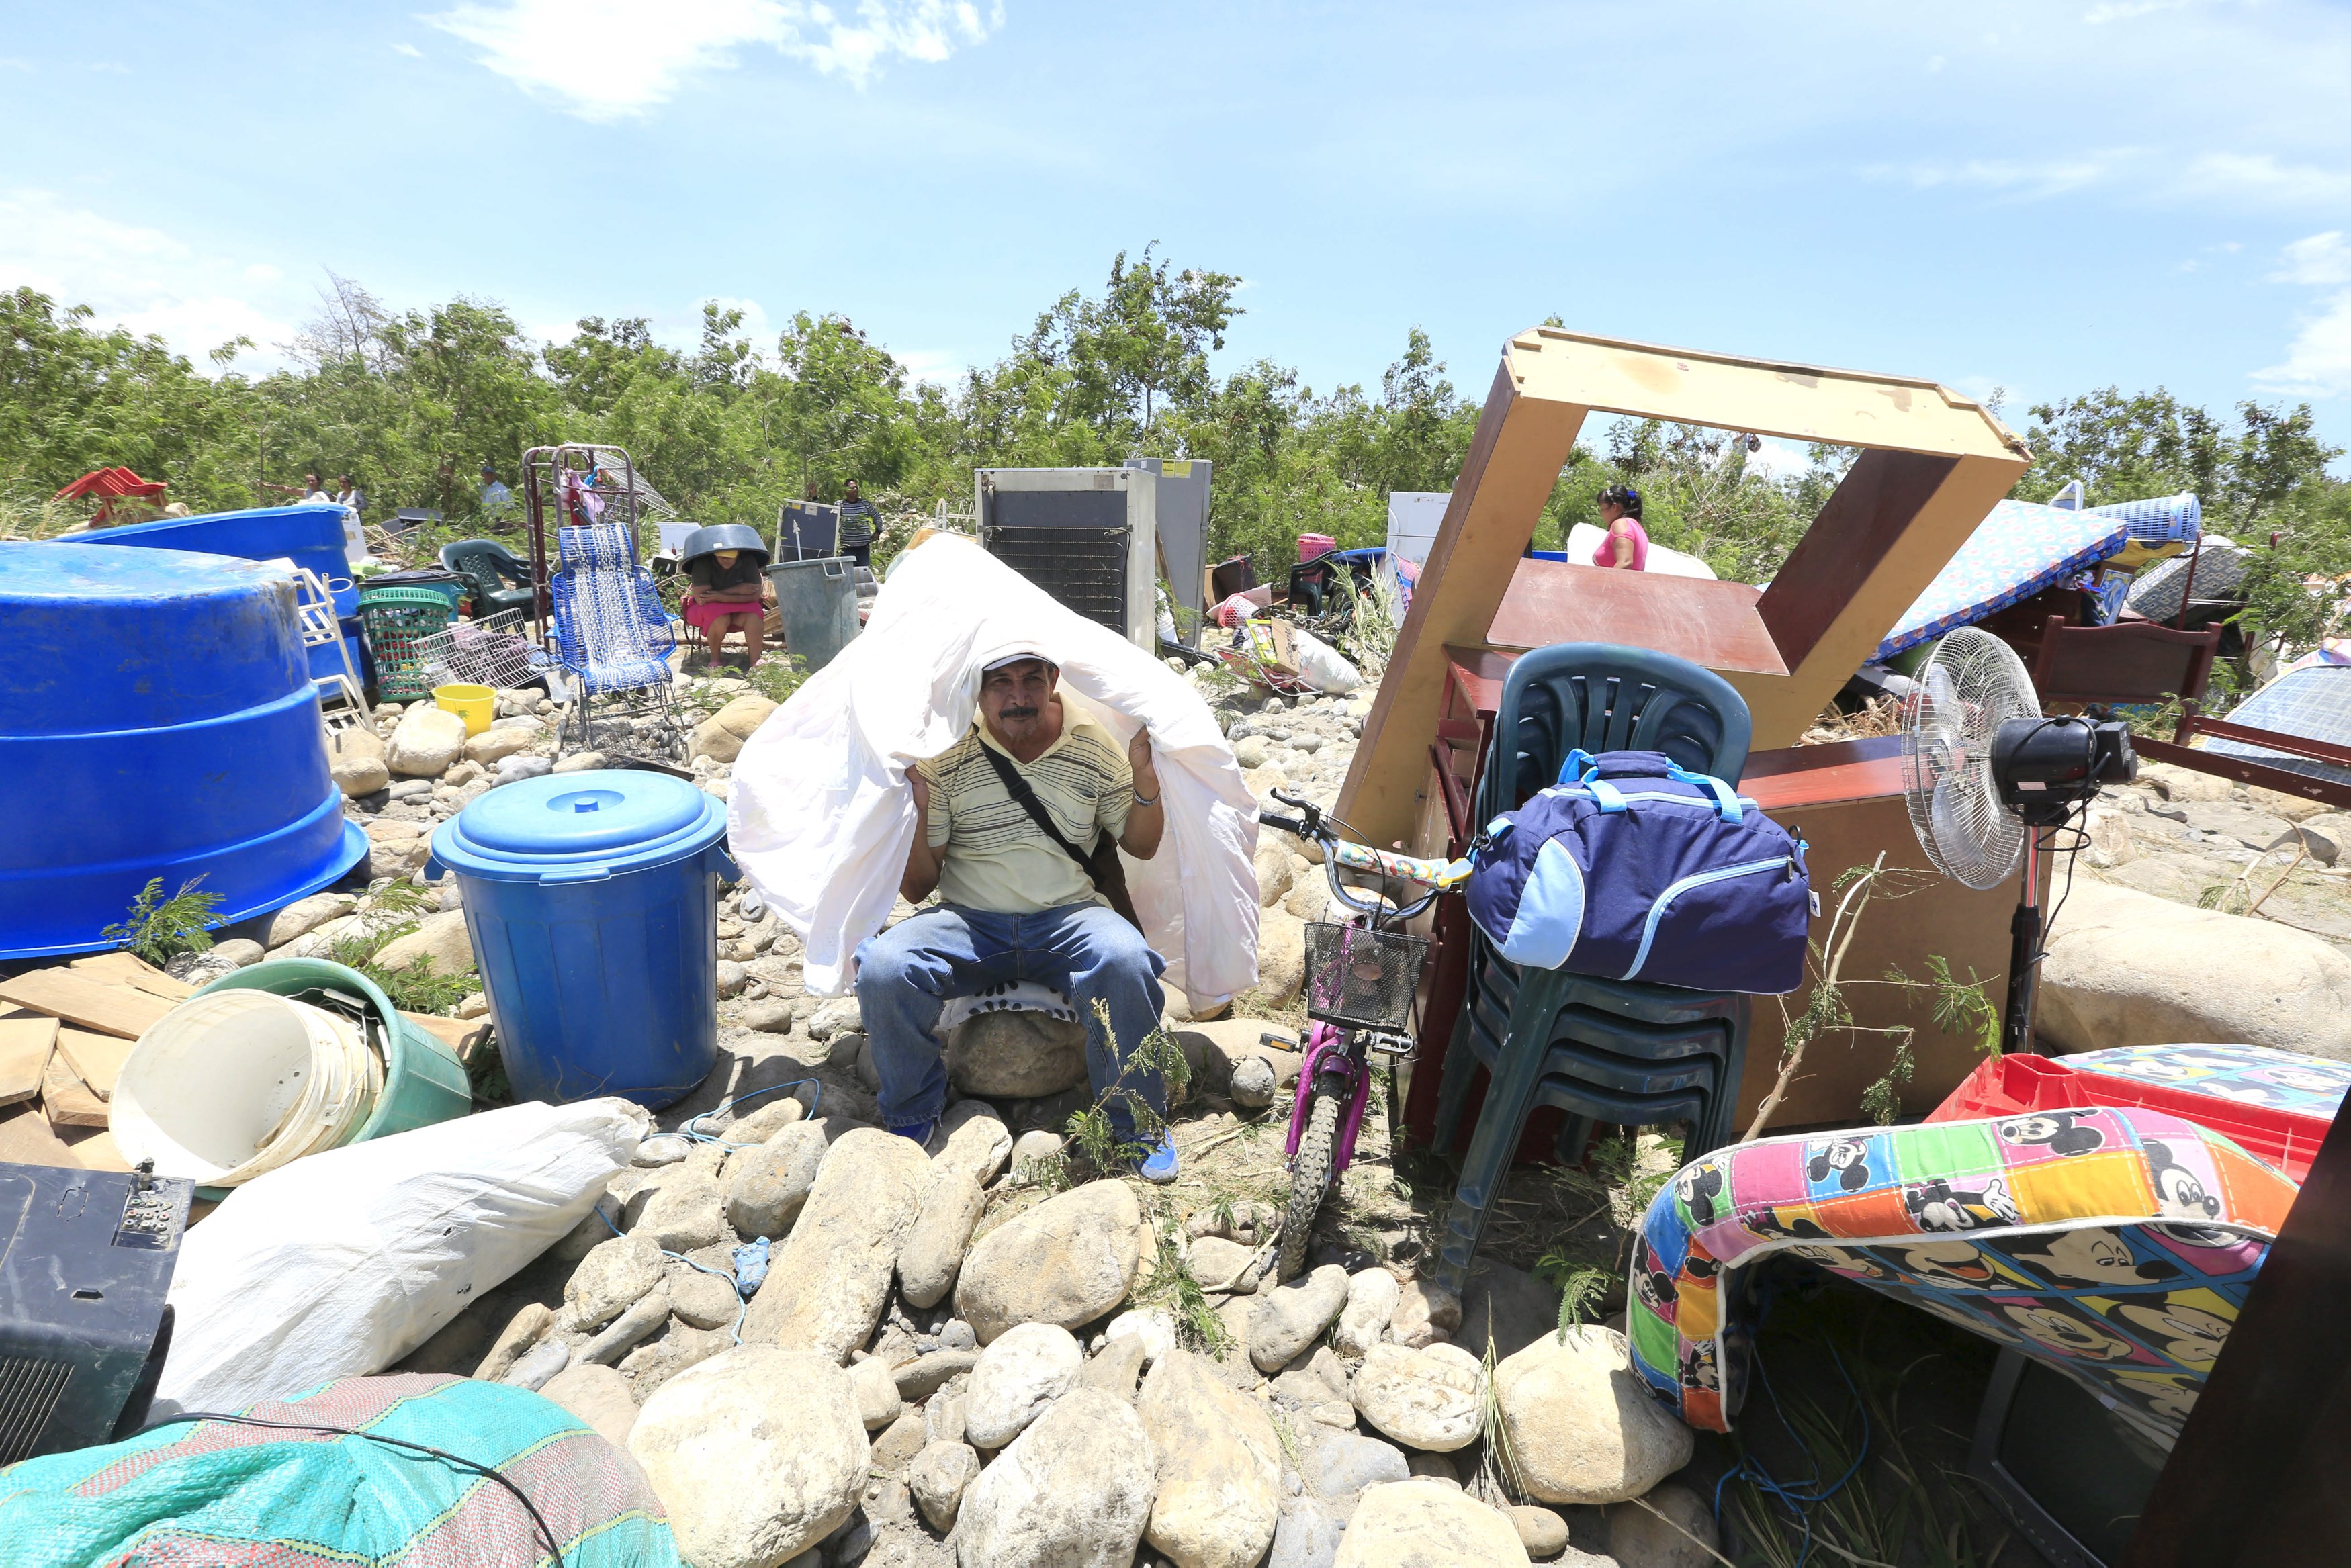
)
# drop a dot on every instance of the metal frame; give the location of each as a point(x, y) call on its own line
point(1141, 487)
point(1932, 465)
point(314, 610)
point(2245, 770)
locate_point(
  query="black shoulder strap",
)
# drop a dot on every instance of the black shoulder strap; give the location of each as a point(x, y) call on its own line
point(1017, 788)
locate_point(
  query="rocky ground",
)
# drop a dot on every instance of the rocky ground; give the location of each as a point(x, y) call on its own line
point(996, 1356)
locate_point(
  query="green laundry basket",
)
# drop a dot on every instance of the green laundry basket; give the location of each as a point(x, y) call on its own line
point(424, 1081)
point(397, 621)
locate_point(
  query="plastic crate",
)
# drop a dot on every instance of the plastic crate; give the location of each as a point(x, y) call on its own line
point(398, 622)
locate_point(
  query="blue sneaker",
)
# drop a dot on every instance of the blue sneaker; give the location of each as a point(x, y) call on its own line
point(1158, 1166)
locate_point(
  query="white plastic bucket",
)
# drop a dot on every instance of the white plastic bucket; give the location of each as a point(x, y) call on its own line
point(235, 1083)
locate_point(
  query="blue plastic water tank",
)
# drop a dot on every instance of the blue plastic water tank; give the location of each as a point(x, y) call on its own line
point(310, 536)
point(593, 901)
point(155, 721)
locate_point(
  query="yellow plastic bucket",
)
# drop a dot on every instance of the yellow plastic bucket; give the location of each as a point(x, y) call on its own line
point(477, 705)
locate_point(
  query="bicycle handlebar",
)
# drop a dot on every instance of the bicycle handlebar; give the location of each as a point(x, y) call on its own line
point(1438, 877)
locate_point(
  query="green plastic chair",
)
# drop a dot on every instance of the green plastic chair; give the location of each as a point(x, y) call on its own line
point(489, 566)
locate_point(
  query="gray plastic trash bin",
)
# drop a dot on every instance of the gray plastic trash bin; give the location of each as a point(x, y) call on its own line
point(817, 601)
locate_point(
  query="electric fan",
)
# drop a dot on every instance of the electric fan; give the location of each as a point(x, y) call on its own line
point(1985, 773)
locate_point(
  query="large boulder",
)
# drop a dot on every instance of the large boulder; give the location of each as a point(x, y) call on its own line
point(1680, 1533)
point(1425, 1524)
point(953, 1200)
point(1581, 1424)
point(1290, 1318)
point(1067, 1261)
point(598, 1395)
point(492, 747)
point(757, 1454)
point(2128, 969)
point(1074, 1490)
point(1372, 1297)
point(303, 916)
point(1017, 1055)
point(355, 761)
point(1029, 1367)
point(1431, 1400)
point(440, 940)
point(1280, 955)
point(829, 1281)
point(720, 737)
point(938, 1477)
point(425, 742)
point(1219, 1467)
point(614, 1276)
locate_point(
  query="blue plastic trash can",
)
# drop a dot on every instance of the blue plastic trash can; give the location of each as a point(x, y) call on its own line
point(593, 901)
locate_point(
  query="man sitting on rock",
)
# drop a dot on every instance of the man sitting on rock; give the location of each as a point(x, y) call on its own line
point(1017, 905)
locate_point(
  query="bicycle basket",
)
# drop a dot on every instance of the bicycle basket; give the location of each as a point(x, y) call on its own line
point(1358, 978)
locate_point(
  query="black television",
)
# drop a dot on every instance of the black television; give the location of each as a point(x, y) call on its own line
point(2066, 1471)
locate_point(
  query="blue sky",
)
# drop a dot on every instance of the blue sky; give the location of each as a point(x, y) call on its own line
point(2045, 197)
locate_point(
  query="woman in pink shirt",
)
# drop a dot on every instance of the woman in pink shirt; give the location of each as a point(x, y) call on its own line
point(1628, 544)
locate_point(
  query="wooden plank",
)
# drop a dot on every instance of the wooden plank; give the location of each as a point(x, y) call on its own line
point(26, 1138)
point(25, 1041)
point(96, 1059)
point(130, 969)
point(107, 1009)
point(67, 1100)
point(452, 1032)
point(96, 1149)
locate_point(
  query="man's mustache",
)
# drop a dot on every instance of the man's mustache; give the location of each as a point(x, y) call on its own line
point(1016, 713)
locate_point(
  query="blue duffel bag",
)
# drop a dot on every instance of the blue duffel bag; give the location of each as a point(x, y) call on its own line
point(1632, 867)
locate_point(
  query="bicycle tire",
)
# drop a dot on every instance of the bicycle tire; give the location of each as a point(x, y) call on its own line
point(1310, 1179)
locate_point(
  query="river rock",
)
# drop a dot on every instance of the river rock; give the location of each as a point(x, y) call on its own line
point(522, 1331)
point(1540, 1530)
point(613, 1275)
point(1340, 1464)
point(837, 1015)
point(517, 768)
point(687, 1212)
point(720, 737)
point(758, 1455)
point(952, 1202)
point(1220, 1264)
point(303, 916)
point(1273, 873)
point(1074, 1490)
point(900, 1442)
point(1115, 1367)
point(425, 742)
point(2126, 968)
point(1280, 955)
point(1017, 1055)
point(829, 1281)
point(1219, 1466)
point(770, 1183)
point(1372, 1297)
point(878, 1403)
point(1429, 1399)
point(1289, 1318)
point(704, 1301)
point(780, 1111)
point(1425, 1313)
point(598, 1395)
point(618, 1337)
point(772, 1015)
point(355, 761)
point(1253, 1085)
point(1640, 1539)
point(1028, 1368)
point(1424, 1523)
point(1152, 1327)
point(1067, 1261)
point(926, 1375)
point(938, 1477)
point(1581, 1424)
point(1031, 1151)
point(492, 746)
point(538, 1364)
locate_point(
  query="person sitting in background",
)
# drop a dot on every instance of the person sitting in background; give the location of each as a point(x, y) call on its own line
point(1004, 821)
point(725, 565)
point(347, 493)
point(859, 522)
point(1626, 547)
point(496, 496)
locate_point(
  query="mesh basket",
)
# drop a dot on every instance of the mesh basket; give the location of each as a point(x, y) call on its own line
point(492, 651)
point(1358, 978)
point(398, 622)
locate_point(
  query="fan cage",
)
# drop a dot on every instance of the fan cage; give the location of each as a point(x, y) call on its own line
point(1967, 687)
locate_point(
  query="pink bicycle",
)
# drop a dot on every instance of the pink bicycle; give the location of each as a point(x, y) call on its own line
point(1362, 979)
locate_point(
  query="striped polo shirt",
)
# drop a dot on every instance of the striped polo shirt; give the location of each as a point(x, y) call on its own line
point(996, 858)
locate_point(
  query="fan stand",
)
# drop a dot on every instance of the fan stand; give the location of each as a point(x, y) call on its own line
point(2024, 952)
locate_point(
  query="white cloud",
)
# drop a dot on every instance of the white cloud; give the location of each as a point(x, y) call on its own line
point(1777, 459)
point(2124, 10)
point(2321, 260)
point(610, 60)
point(2263, 178)
point(142, 278)
point(411, 50)
point(2033, 179)
point(2318, 361)
point(932, 366)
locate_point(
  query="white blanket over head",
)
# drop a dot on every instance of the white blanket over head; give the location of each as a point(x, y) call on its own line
point(820, 817)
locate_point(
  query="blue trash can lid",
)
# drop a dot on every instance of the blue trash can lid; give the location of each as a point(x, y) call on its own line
point(579, 827)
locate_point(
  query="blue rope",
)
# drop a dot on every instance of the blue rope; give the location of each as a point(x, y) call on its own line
point(1800, 1496)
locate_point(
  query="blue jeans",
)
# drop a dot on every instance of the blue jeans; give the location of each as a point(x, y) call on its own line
point(1087, 952)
